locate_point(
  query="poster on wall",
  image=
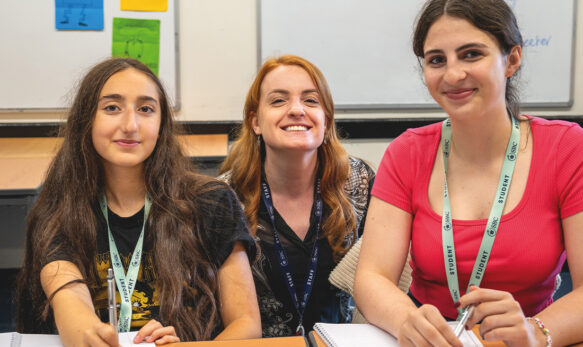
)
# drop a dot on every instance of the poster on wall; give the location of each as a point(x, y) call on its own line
point(79, 14)
point(138, 39)
point(144, 5)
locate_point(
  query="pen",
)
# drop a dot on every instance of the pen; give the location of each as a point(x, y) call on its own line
point(111, 298)
point(462, 323)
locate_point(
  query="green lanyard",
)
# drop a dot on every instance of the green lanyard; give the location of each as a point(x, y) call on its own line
point(125, 283)
point(493, 219)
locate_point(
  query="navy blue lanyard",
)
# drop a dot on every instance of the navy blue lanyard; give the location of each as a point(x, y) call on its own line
point(282, 257)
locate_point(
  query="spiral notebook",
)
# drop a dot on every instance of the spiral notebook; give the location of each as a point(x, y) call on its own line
point(348, 335)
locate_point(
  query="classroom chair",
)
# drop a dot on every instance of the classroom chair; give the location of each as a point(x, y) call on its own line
point(342, 276)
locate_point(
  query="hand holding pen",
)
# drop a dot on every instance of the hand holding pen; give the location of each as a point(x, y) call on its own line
point(150, 332)
point(423, 324)
point(104, 334)
point(461, 326)
point(510, 324)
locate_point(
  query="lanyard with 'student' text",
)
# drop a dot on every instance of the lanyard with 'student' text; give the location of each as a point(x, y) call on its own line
point(493, 219)
point(125, 283)
point(282, 257)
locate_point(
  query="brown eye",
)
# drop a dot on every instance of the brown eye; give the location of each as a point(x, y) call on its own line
point(146, 109)
point(472, 54)
point(435, 60)
point(111, 108)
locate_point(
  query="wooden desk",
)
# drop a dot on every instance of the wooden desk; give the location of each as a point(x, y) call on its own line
point(214, 145)
point(476, 331)
point(25, 160)
point(293, 341)
point(22, 174)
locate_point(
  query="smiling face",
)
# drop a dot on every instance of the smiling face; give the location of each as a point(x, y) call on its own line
point(290, 115)
point(465, 71)
point(127, 121)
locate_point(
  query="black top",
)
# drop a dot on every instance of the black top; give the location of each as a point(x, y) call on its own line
point(326, 303)
point(222, 222)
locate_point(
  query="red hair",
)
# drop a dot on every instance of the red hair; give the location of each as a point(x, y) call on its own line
point(244, 160)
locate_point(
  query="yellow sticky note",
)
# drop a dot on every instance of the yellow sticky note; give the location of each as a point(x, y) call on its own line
point(144, 5)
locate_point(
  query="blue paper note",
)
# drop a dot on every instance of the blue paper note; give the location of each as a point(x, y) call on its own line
point(79, 14)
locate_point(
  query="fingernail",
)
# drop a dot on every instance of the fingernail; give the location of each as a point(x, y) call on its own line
point(457, 304)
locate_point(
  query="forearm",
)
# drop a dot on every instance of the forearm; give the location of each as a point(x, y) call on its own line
point(71, 303)
point(563, 318)
point(381, 302)
point(244, 327)
point(239, 309)
point(387, 231)
point(73, 317)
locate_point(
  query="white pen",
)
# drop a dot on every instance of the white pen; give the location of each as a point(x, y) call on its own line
point(112, 306)
point(461, 326)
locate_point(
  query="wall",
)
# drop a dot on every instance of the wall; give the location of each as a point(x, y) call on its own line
point(218, 59)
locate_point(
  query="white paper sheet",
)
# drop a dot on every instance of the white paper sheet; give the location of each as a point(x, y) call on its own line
point(348, 335)
point(40, 340)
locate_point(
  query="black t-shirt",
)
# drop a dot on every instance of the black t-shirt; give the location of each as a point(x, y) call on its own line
point(222, 222)
point(326, 302)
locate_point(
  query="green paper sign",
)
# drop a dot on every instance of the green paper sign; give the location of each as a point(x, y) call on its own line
point(138, 39)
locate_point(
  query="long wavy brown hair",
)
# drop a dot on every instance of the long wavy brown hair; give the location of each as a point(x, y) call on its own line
point(66, 217)
point(245, 159)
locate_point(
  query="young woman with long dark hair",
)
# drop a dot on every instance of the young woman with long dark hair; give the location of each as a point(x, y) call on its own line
point(121, 194)
point(491, 201)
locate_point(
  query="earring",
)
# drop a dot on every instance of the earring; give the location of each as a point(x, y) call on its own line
point(258, 140)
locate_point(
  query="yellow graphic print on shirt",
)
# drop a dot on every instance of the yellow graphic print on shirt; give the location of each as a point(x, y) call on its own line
point(145, 304)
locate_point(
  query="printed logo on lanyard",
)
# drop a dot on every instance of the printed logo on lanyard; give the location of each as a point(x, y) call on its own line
point(125, 282)
point(282, 257)
point(493, 219)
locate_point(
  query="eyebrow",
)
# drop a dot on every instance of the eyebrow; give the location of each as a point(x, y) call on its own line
point(286, 92)
point(461, 48)
point(120, 97)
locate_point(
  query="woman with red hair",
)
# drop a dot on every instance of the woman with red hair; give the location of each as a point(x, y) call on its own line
point(304, 197)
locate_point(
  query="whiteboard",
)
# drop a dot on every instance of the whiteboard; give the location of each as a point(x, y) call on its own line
point(363, 47)
point(40, 66)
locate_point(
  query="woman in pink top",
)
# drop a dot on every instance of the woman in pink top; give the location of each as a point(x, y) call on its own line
point(490, 201)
